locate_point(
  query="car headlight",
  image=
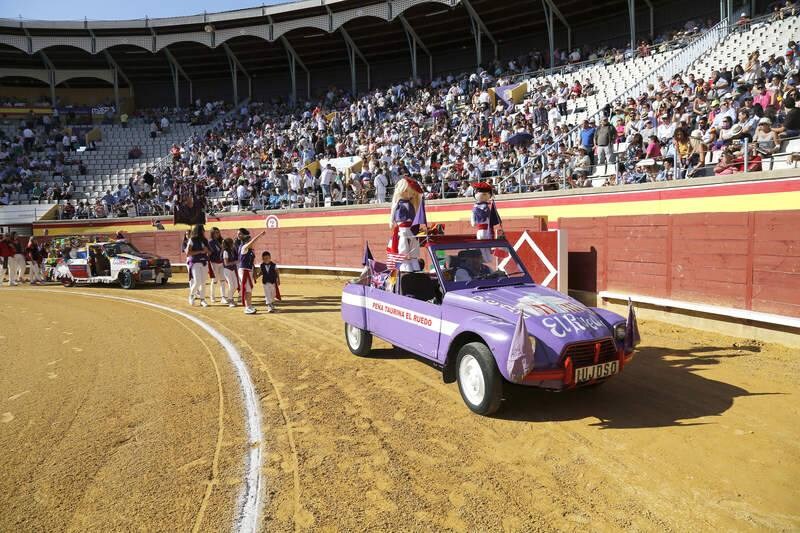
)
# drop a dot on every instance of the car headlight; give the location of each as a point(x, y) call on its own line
point(620, 330)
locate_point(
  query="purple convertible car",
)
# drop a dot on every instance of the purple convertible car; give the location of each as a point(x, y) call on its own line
point(464, 316)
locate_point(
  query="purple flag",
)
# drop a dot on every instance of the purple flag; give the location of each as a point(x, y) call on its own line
point(367, 255)
point(420, 218)
point(494, 217)
point(520, 355)
point(632, 337)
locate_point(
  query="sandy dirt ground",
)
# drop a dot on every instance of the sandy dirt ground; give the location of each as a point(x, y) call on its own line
point(699, 433)
point(112, 417)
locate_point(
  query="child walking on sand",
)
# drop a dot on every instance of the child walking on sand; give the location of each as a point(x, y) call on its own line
point(246, 263)
point(270, 280)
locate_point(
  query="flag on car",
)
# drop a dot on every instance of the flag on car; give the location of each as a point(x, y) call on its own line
point(494, 217)
point(367, 257)
point(393, 259)
point(520, 355)
point(632, 337)
point(378, 273)
point(420, 218)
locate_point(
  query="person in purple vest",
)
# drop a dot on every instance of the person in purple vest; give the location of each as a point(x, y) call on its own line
point(215, 265)
point(197, 261)
point(246, 261)
point(230, 261)
point(484, 214)
point(405, 203)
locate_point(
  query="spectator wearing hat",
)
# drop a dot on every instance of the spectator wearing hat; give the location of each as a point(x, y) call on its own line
point(697, 153)
point(765, 138)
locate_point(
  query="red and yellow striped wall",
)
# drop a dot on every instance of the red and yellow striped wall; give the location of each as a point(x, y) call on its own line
point(775, 194)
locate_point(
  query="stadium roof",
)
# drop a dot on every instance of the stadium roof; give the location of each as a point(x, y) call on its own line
point(312, 28)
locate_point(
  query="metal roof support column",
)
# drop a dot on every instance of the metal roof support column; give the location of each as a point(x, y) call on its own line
point(548, 20)
point(295, 60)
point(354, 51)
point(235, 80)
point(652, 26)
point(632, 21)
point(114, 66)
point(236, 64)
point(51, 69)
point(413, 42)
point(478, 25)
point(177, 70)
point(116, 92)
point(557, 12)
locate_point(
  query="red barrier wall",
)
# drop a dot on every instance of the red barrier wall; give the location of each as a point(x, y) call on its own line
point(340, 246)
point(742, 260)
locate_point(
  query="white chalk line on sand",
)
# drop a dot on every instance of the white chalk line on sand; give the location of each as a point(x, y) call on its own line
point(247, 517)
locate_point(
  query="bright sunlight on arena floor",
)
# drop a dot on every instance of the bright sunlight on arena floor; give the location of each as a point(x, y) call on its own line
point(115, 415)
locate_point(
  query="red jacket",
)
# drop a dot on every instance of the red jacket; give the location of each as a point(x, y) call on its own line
point(6, 250)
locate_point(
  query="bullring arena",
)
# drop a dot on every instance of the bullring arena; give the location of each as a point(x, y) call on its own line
point(492, 307)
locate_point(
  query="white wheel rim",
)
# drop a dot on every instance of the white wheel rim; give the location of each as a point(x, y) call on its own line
point(470, 376)
point(353, 336)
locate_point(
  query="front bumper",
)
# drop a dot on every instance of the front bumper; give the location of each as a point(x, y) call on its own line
point(564, 378)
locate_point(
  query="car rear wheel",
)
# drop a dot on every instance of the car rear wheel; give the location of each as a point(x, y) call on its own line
point(479, 381)
point(126, 280)
point(358, 340)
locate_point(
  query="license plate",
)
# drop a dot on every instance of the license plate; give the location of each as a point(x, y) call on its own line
point(603, 370)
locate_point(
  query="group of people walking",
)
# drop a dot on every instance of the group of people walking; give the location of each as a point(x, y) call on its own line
point(15, 259)
point(230, 263)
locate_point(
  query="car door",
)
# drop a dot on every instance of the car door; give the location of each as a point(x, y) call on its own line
point(404, 321)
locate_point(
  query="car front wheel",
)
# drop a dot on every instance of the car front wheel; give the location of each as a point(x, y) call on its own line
point(126, 280)
point(358, 340)
point(479, 381)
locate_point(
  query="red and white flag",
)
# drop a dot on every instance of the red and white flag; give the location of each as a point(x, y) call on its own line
point(393, 259)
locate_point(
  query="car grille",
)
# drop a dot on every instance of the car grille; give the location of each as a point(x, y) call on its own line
point(583, 353)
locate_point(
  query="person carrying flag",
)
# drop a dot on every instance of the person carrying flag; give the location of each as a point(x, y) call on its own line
point(406, 215)
point(484, 214)
point(246, 263)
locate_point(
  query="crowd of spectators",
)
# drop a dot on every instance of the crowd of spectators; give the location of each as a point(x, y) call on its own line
point(342, 149)
point(671, 130)
point(38, 161)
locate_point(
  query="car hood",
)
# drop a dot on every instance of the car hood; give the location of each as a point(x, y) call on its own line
point(550, 316)
point(130, 257)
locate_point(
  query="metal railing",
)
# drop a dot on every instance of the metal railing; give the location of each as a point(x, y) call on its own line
point(678, 62)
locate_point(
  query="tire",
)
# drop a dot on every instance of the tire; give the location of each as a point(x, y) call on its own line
point(126, 280)
point(479, 380)
point(358, 340)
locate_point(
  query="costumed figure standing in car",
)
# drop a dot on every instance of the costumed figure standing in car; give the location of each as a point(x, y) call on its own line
point(403, 248)
point(484, 214)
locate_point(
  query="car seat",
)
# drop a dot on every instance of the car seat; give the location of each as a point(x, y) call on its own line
point(419, 286)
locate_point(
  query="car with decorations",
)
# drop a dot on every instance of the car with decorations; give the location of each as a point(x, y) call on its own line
point(478, 316)
point(109, 262)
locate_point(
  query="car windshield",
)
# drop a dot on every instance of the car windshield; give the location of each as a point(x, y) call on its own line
point(121, 248)
point(478, 265)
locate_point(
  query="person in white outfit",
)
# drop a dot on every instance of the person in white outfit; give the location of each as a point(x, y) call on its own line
point(197, 253)
point(216, 265)
point(34, 256)
point(17, 269)
point(230, 261)
point(270, 280)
